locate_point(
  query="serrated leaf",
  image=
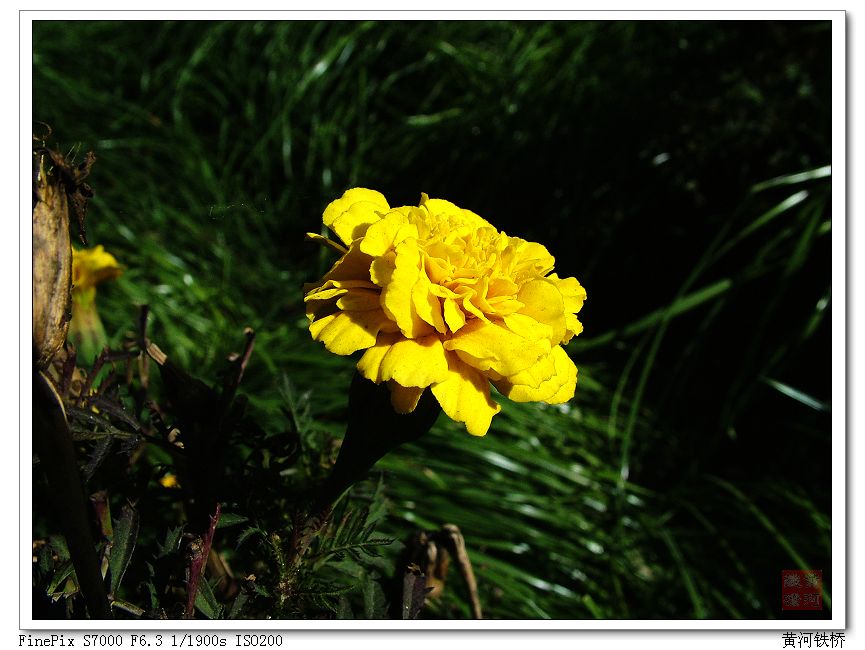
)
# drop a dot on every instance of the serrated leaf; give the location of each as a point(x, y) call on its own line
point(125, 536)
point(378, 506)
point(172, 542)
point(64, 571)
point(152, 592)
point(205, 601)
point(237, 604)
point(260, 590)
point(227, 519)
point(58, 545)
point(249, 532)
point(100, 453)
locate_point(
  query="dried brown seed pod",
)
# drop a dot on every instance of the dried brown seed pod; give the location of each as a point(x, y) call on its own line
point(52, 264)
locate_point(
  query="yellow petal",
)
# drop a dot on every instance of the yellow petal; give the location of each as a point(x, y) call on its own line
point(454, 316)
point(425, 303)
point(492, 346)
point(528, 327)
point(91, 266)
point(439, 206)
point(359, 300)
point(552, 379)
point(169, 481)
point(397, 295)
point(348, 331)
point(404, 399)
point(351, 214)
point(574, 295)
point(309, 287)
point(568, 388)
point(354, 265)
point(326, 292)
point(383, 235)
point(572, 291)
point(475, 219)
point(543, 301)
point(409, 362)
point(369, 364)
point(505, 305)
point(574, 327)
point(530, 260)
point(465, 397)
point(382, 268)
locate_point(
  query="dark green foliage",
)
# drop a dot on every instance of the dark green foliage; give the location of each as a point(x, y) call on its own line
point(122, 546)
point(678, 169)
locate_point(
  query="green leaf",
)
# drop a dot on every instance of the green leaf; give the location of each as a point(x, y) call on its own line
point(171, 543)
point(765, 218)
point(205, 601)
point(128, 607)
point(685, 572)
point(793, 179)
point(237, 604)
point(64, 571)
point(125, 536)
point(374, 602)
point(796, 394)
point(227, 519)
point(248, 533)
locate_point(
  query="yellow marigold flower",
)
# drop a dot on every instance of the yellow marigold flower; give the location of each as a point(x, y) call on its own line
point(89, 268)
point(440, 299)
point(169, 481)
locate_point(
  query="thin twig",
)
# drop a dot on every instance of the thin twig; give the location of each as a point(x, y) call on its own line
point(458, 546)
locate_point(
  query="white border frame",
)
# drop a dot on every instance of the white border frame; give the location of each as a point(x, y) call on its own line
point(839, 330)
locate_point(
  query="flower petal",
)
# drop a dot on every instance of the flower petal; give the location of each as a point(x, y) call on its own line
point(543, 301)
point(465, 397)
point(491, 346)
point(528, 327)
point(572, 291)
point(348, 331)
point(454, 316)
point(427, 305)
point(354, 265)
point(383, 235)
point(404, 399)
point(552, 379)
point(397, 296)
point(351, 214)
point(528, 259)
point(409, 362)
point(359, 300)
point(574, 295)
